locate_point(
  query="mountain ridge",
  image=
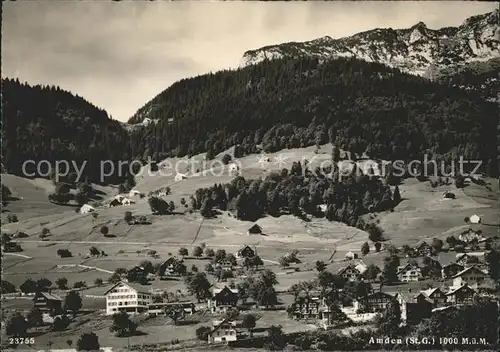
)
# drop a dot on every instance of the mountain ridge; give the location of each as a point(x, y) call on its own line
point(413, 50)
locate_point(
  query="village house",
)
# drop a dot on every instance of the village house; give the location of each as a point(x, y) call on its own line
point(451, 270)
point(155, 309)
point(409, 273)
point(468, 259)
point(311, 307)
point(47, 302)
point(169, 266)
point(224, 331)
point(414, 307)
point(349, 273)
point(222, 299)
point(245, 252)
point(377, 301)
point(471, 276)
point(460, 295)
point(424, 249)
point(437, 296)
point(470, 236)
point(128, 297)
point(86, 208)
point(224, 265)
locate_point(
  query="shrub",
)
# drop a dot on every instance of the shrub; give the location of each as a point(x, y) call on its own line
point(64, 253)
point(12, 218)
point(202, 333)
point(104, 230)
point(226, 159)
point(128, 216)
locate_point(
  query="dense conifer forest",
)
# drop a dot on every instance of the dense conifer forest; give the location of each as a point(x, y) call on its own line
point(47, 123)
point(295, 103)
point(358, 106)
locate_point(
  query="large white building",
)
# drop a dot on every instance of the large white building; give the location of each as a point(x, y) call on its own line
point(128, 297)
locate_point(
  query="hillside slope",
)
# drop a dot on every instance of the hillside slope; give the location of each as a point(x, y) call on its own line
point(48, 123)
point(300, 102)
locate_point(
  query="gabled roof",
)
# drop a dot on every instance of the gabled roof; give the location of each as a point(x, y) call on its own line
point(408, 266)
point(224, 290)
point(456, 289)
point(453, 264)
point(50, 296)
point(429, 292)
point(350, 266)
point(466, 270)
point(412, 297)
point(224, 321)
point(132, 285)
point(245, 247)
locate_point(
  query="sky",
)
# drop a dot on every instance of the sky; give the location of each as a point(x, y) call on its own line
point(119, 55)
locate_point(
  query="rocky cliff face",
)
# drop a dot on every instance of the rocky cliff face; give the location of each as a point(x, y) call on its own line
point(418, 50)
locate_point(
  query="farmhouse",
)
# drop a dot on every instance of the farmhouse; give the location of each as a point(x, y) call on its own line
point(460, 295)
point(349, 272)
point(245, 252)
point(47, 302)
point(128, 297)
point(451, 270)
point(134, 193)
point(126, 201)
point(414, 308)
point(170, 266)
point(469, 276)
point(225, 265)
point(86, 209)
point(311, 308)
point(436, 295)
point(179, 177)
point(424, 249)
point(223, 299)
point(254, 230)
point(224, 331)
point(376, 301)
point(155, 309)
point(409, 273)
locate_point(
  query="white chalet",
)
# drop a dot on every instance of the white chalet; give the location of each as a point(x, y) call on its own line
point(128, 297)
point(409, 273)
point(224, 331)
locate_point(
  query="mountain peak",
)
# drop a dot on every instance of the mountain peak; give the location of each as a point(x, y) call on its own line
point(412, 50)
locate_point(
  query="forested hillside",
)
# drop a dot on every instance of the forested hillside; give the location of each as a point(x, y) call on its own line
point(298, 102)
point(47, 123)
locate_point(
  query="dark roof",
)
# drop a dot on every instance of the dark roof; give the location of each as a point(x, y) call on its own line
point(255, 229)
point(466, 270)
point(139, 288)
point(244, 248)
point(455, 290)
point(49, 296)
